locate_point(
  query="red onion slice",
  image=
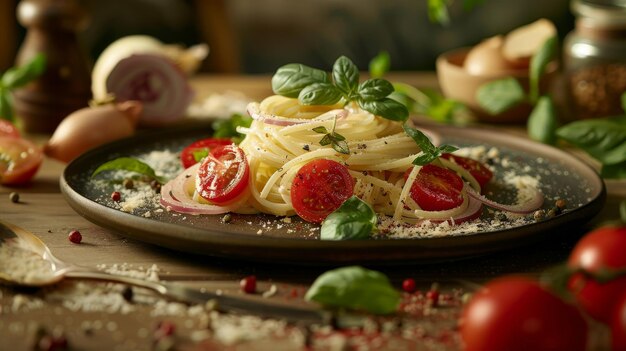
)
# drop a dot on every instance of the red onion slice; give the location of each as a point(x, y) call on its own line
point(175, 197)
point(533, 204)
point(257, 115)
point(155, 81)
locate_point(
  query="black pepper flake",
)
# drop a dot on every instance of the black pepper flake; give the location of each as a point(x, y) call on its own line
point(128, 183)
point(306, 147)
point(127, 294)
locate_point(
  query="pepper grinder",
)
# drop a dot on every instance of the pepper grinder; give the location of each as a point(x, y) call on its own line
point(65, 85)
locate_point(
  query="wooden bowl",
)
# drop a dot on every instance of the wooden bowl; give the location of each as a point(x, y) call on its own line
point(458, 84)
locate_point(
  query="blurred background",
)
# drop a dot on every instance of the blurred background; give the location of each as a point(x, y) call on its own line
point(257, 36)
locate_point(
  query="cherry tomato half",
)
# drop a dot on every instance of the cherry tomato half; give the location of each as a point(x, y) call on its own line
point(482, 174)
point(19, 160)
point(223, 175)
point(319, 188)
point(602, 248)
point(517, 314)
point(436, 188)
point(194, 152)
point(8, 129)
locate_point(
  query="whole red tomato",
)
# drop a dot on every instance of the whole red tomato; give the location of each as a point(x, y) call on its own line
point(603, 248)
point(517, 314)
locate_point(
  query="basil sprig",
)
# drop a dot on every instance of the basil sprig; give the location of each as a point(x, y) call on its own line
point(380, 64)
point(315, 87)
point(333, 138)
point(129, 164)
point(16, 77)
point(438, 9)
point(354, 219)
point(355, 288)
point(429, 152)
point(227, 128)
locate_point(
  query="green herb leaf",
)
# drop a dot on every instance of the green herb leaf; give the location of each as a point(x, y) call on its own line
point(624, 101)
point(616, 171)
point(227, 128)
point(542, 122)
point(470, 4)
point(354, 219)
point(326, 140)
point(290, 79)
point(438, 11)
point(500, 95)
point(429, 102)
point(340, 146)
point(346, 76)
point(319, 94)
point(375, 89)
point(6, 107)
point(198, 155)
point(355, 288)
point(128, 164)
point(380, 64)
point(538, 64)
point(387, 108)
point(16, 77)
point(429, 152)
point(321, 130)
point(604, 139)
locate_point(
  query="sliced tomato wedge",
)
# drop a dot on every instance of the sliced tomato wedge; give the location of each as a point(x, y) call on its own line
point(223, 175)
point(319, 188)
point(8, 129)
point(199, 149)
point(19, 160)
point(437, 189)
point(482, 174)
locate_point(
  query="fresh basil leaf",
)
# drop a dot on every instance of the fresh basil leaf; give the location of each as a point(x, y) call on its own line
point(438, 11)
point(542, 122)
point(319, 94)
point(616, 171)
point(604, 139)
point(538, 64)
point(6, 107)
point(341, 146)
point(375, 89)
point(290, 79)
point(338, 137)
point(128, 164)
point(321, 130)
point(446, 149)
point(386, 108)
point(326, 140)
point(16, 77)
point(423, 159)
point(429, 102)
point(354, 219)
point(624, 101)
point(500, 95)
point(345, 76)
point(420, 139)
point(356, 288)
point(380, 64)
point(227, 128)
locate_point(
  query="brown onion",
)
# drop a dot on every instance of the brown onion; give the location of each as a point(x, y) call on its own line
point(93, 126)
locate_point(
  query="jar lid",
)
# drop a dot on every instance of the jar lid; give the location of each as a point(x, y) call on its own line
point(602, 12)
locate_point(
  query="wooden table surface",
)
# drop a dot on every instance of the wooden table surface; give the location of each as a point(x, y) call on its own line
point(43, 211)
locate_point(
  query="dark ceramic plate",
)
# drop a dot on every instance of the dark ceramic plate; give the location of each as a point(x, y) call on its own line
point(266, 238)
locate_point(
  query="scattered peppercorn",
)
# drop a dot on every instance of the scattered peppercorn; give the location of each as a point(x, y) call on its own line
point(432, 295)
point(409, 285)
point(552, 213)
point(561, 204)
point(75, 237)
point(14, 197)
point(539, 215)
point(248, 284)
point(128, 183)
point(127, 294)
point(116, 196)
point(52, 343)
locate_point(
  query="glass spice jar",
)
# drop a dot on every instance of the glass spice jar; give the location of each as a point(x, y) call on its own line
point(594, 58)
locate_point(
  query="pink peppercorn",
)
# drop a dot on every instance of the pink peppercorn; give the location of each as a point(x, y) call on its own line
point(433, 297)
point(116, 196)
point(248, 284)
point(409, 285)
point(75, 237)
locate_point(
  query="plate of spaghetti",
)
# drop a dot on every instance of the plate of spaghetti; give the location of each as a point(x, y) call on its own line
point(331, 170)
